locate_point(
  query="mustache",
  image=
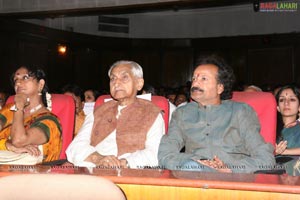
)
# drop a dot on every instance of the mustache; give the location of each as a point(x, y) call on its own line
point(193, 89)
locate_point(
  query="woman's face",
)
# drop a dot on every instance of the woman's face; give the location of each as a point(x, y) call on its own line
point(26, 84)
point(288, 103)
point(89, 96)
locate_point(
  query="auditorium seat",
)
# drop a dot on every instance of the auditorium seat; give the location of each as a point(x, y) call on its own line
point(264, 104)
point(63, 107)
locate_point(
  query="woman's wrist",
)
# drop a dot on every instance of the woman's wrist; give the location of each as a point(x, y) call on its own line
point(17, 108)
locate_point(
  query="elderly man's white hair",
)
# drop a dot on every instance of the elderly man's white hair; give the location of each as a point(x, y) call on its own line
point(136, 69)
point(254, 88)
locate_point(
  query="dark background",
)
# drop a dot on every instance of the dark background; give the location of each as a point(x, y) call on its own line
point(260, 60)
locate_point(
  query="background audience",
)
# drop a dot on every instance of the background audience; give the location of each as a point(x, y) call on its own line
point(76, 93)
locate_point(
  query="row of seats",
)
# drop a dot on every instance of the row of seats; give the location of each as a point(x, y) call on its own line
point(262, 102)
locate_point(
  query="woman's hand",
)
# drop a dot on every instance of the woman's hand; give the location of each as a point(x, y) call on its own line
point(30, 149)
point(280, 147)
point(21, 101)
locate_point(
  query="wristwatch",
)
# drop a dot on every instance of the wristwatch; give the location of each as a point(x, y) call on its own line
point(15, 108)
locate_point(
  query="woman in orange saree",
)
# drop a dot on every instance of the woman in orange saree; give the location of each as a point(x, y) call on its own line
point(28, 126)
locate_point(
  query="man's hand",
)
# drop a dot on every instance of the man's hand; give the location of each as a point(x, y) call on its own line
point(106, 161)
point(109, 161)
point(216, 164)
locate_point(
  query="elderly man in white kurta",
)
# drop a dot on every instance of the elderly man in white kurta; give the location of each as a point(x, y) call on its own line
point(124, 132)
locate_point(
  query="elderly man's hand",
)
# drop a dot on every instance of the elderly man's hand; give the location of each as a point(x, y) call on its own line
point(109, 161)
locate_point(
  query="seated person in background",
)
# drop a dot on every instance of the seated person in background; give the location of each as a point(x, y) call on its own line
point(218, 134)
point(90, 97)
point(252, 88)
point(76, 92)
point(181, 99)
point(171, 96)
point(3, 97)
point(288, 105)
point(28, 123)
point(149, 89)
point(124, 132)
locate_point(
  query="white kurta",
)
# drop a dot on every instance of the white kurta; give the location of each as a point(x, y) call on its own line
point(80, 148)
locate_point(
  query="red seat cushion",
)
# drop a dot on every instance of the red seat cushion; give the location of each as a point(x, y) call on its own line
point(264, 104)
point(63, 106)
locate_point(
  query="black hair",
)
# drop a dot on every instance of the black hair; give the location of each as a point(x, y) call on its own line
point(96, 93)
point(280, 124)
point(75, 89)
point(149, 89)
point(294, 88)
point(38, 74)
point(225, 73)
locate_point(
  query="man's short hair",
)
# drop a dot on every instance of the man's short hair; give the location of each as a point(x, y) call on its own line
point(136, 69)
point(225, 73)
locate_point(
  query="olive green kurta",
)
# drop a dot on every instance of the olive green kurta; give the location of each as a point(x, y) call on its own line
point(229, 130)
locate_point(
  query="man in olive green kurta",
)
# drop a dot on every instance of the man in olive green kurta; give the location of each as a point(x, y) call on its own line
point(218, 134)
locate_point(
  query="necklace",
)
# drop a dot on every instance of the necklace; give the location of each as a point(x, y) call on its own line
point(32, 110)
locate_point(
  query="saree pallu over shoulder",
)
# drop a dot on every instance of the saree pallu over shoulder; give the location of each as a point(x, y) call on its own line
point(46, 121)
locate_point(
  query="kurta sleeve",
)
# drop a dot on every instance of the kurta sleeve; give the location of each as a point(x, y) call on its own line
point(169, 155)
point(261, 153)
point(80, 148)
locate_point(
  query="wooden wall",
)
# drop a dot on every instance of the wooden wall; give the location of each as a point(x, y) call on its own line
point(266, 59)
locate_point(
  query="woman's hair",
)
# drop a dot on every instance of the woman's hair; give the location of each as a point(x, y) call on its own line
point(280, 124)
point(96, 93)
point(225, 73)
point(75, 89)
point(38, 74)
point(136, 69)
point(292, 87)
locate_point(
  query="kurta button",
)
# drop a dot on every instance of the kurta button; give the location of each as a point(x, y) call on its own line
point(208, 124)
point(207, 134)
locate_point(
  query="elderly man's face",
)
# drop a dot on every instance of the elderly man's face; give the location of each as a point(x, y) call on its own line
point(205, 88)
point(124, 85)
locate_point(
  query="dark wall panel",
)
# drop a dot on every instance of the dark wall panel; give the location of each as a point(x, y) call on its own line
point(271, 59)
point(151, 63)
point(271, 66)
point(177, 67)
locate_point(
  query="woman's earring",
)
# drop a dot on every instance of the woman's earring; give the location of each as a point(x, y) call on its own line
point(40, 93)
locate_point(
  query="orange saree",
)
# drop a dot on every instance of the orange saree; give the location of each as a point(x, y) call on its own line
point(46, 121)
